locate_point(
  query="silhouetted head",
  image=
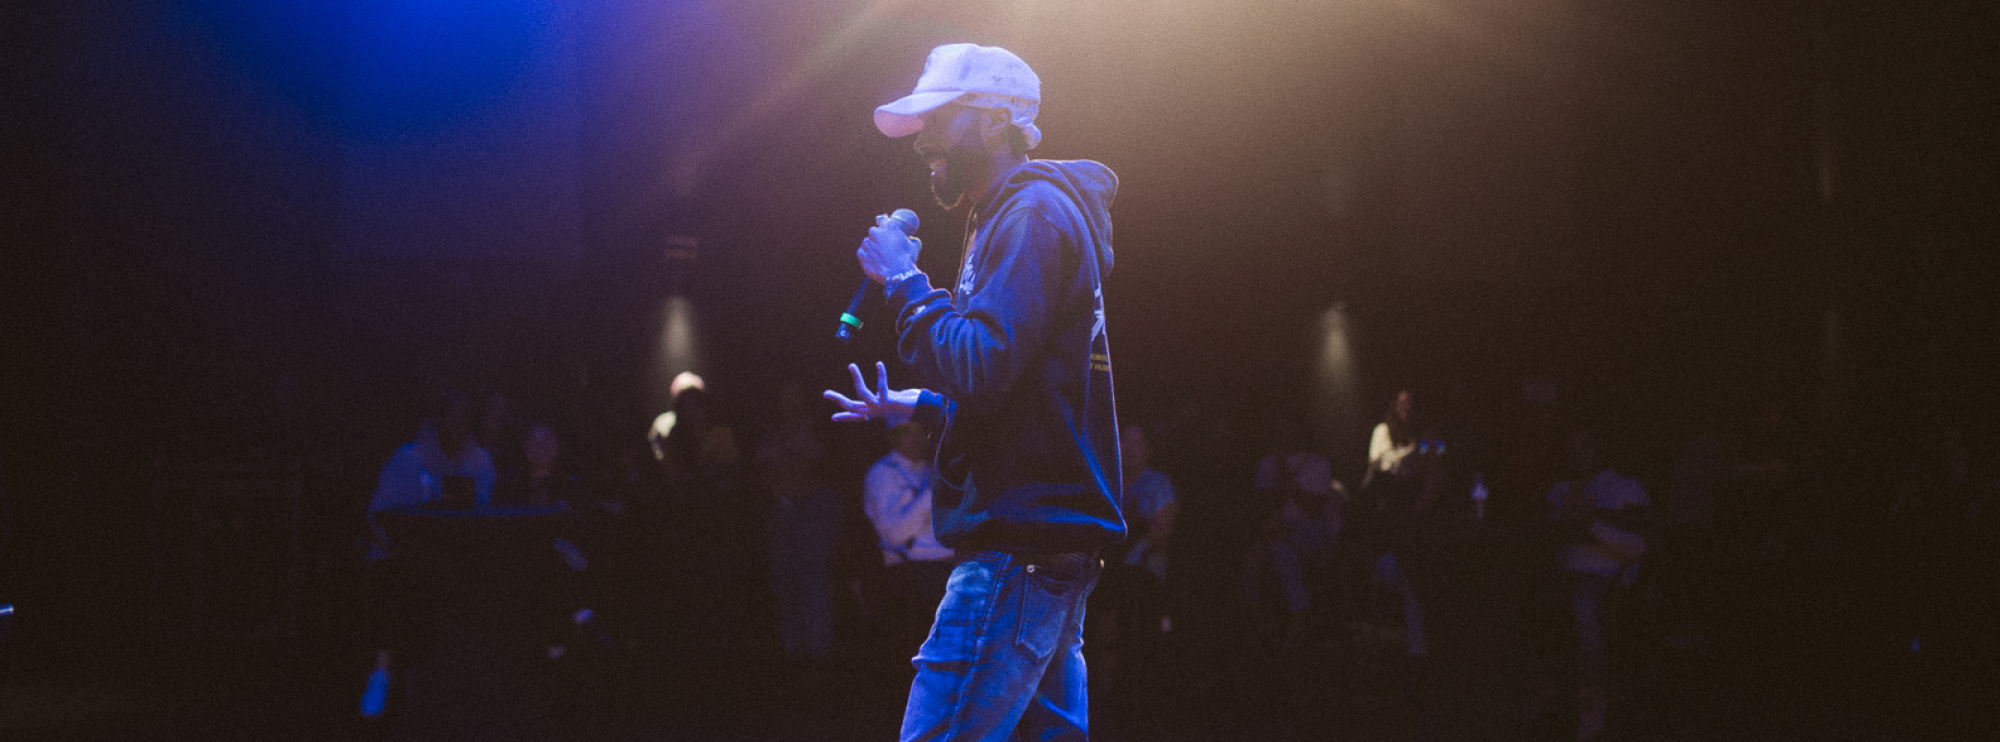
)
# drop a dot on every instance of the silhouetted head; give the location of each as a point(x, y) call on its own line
point(1586, 453)
point(540, 447)
point(1134, 450)
point(451, 418)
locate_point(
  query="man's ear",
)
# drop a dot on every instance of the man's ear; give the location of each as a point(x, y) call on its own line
point(997, 121)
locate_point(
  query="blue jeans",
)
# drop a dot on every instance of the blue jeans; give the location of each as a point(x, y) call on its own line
point(1005, 655)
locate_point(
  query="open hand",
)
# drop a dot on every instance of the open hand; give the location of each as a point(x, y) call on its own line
point(892, 405)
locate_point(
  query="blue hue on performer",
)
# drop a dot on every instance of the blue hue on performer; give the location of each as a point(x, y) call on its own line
point(1015, 370)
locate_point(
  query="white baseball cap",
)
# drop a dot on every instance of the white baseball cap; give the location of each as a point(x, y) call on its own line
point(981, 76)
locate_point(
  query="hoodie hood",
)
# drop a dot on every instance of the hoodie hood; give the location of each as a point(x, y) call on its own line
point(1087, 183)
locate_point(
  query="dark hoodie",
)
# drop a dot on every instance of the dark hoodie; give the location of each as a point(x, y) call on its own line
point(1020, 367)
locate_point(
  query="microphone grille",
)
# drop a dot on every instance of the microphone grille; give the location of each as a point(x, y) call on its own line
point(908, 218)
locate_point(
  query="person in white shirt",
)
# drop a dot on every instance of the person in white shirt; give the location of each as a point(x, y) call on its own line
point(896, 496)
point(1394, 493)
point(1392, 442)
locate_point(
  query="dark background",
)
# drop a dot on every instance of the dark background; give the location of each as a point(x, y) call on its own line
point(1665, 208)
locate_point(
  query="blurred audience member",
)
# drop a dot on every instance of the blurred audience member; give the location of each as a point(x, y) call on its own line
point(1149, 505)
point(536, 483)
point(1404, 476)
point(1132, 595)
point(804, 524)
point(1303, 529)
point(1392, 442)
point(443, 466)
point(418, 473)
point(708, 560)
point(897, 498)
point(1600, 516)
point(564, 597)
point(498, 431)
point(697, 453)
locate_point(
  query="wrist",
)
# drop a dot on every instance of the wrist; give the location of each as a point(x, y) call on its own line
point(890, 282)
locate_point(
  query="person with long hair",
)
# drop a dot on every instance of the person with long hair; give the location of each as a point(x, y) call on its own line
point(1394, 491)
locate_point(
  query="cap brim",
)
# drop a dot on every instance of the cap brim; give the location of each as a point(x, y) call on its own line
point(903, 117)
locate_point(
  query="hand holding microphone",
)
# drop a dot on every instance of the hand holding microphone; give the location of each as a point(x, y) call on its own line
point(888, 251)
point(889, 248)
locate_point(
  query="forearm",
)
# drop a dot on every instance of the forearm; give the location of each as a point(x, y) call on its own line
point(971, 348)
point(967, 358)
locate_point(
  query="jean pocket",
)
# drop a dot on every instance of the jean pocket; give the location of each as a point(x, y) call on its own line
point(1048, 593)
point(964, 613)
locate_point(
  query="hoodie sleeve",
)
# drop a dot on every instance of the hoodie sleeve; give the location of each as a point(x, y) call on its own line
point(974, 354)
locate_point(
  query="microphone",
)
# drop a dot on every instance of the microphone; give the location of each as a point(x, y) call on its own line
point(850, 320)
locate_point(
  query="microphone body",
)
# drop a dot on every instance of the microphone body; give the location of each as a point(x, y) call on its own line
point(850, 320)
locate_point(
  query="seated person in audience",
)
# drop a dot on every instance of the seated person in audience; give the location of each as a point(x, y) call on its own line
point(1303, 530)
point(442, 460)
point(1403, 478)
point(1599, 517)
point(418, 472)
point(803, 525)
point(897, 499)
point(1132, 595)
point(537, 484)
point(695, 448)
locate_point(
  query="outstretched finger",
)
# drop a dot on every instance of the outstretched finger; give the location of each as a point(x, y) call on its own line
point(860, 384)
point(881, 380)
point(851, 411)
point(842, 400)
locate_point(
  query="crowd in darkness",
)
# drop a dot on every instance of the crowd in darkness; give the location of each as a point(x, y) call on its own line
point(806, 546)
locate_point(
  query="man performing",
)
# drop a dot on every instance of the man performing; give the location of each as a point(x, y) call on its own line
point(1017, 377)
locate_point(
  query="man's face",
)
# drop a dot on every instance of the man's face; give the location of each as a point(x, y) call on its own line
point(1404, 402)
point(953, 143)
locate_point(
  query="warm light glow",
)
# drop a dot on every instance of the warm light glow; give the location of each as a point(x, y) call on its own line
point(687, 169)
point(677, 353)
point(1336, 380)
